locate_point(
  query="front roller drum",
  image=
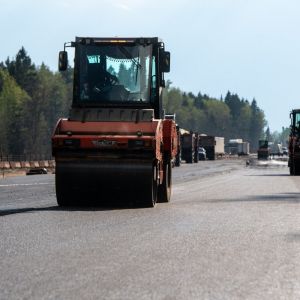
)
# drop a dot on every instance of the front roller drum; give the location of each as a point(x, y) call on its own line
point(106, 181)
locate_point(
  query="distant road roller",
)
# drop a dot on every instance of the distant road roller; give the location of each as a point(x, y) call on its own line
point(116, 142)
point(294, 143)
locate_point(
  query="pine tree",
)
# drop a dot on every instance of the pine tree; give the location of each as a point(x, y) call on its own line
point(23, 71)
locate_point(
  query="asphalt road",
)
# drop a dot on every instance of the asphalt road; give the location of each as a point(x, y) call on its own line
point(230, 232)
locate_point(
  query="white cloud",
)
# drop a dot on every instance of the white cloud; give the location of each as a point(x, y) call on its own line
point(122, 6)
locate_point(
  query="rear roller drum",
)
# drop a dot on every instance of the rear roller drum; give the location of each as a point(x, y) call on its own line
point(294, 168)
point(297, 169)
point(147, 197)
point(164, 190)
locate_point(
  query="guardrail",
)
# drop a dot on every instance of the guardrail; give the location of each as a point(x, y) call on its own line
point(10, 165)
point(27, 164)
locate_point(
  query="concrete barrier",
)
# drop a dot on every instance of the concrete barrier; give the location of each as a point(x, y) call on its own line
point(25, 164)
point(4, 165)
point(44, 164)
point(51, 163)
point(34, 164)
point(15, 164)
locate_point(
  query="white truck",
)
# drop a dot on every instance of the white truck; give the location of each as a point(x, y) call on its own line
point(238, 147)
point(213, 145)
point(243, 148)
point(275, 149)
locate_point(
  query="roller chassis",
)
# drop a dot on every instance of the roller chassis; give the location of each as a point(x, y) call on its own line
point(98, 160)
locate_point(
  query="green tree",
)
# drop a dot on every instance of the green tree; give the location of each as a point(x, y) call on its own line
point(281, 137)
point(48, 103)
point(33, 98)
point(268, 135)
point(217, 117)
point(234, 117)
point(48, 98)
point(257, 125)
point(12, 99)
point(244, 123)
point(23, 70)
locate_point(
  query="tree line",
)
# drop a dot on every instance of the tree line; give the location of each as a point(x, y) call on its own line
point(31, 101)
point(232, 117)
point(33, 98)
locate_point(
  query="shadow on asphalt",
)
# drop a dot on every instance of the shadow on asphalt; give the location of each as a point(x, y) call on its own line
point(285, 197)
point(293, 237)
point(85, 207)
point(5, 212)
point(269, 175)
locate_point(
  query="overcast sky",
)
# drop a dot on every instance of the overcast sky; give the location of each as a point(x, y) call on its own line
point(250, 47)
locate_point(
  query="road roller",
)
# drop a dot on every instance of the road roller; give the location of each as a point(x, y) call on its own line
point(294, 143)
point(116, 142)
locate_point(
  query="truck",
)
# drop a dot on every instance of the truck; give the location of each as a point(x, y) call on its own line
point(115, 143)
point(234, 146)
point(263, 151)
point(213, 145)
point(243, 148)
point(275, 149)
point(189, 142)
point(294, 143)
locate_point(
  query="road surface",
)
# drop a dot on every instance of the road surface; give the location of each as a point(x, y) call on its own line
point(230, 232)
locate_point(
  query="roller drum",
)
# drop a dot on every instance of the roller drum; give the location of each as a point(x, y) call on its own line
point(106, 180)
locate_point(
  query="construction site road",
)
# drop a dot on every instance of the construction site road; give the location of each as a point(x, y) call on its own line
point(231, 231)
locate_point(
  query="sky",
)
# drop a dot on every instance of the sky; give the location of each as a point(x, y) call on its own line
point(248, 47)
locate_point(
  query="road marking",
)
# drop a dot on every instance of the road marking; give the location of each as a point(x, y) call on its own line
point(24, 184)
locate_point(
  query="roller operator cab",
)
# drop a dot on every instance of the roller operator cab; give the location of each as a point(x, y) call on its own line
point(294, 143)
point(115, 143)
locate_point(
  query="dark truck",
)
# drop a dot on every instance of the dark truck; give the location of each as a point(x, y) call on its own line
point(213, 145)
point(189, 141)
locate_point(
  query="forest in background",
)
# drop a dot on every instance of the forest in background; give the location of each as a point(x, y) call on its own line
point(33, 98)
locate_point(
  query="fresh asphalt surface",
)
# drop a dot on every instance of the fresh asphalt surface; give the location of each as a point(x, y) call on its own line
point(230, 232)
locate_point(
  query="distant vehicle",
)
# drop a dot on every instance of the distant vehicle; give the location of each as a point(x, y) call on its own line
point(263, 151)
point(189, 142)
point(36, 171)
point(243, 148)
point(233, 146)
point(213, 145)
point(294, 141)
point(285, 151)
point(275, 149)
point(237, 147)
point(202, 153)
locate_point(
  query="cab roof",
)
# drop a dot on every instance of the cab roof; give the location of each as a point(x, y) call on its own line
point(118, 40)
